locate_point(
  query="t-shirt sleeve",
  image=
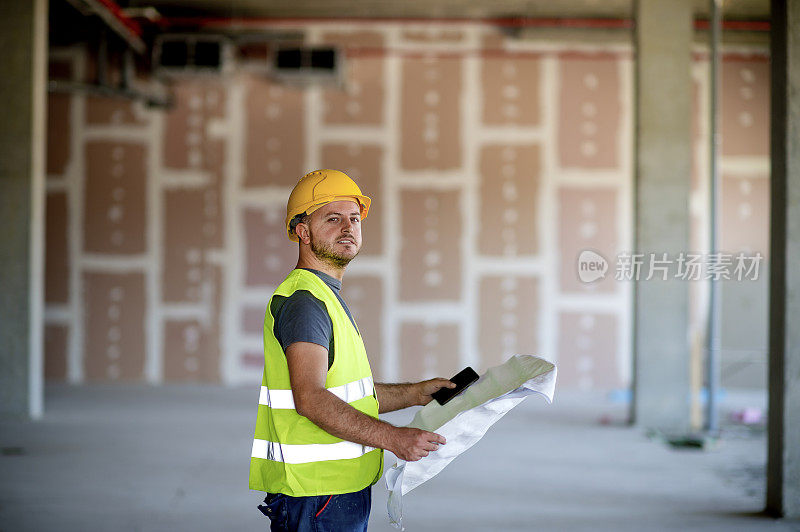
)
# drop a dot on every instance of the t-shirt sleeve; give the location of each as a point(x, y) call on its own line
point(303, 318)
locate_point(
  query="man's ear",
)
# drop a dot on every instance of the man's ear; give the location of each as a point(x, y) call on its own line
point(303, 233)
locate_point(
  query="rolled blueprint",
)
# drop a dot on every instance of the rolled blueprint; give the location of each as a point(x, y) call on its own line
point(466, 418)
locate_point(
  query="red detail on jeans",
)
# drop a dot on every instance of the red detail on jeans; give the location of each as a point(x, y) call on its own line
point(326, 504)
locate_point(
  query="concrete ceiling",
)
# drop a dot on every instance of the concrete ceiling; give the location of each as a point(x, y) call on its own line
point(481, 9)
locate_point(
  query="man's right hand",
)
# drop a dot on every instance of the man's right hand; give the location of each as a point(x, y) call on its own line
point(412, 444)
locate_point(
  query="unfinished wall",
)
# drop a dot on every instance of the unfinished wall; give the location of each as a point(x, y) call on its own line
point(743, 209)
point(491, 163)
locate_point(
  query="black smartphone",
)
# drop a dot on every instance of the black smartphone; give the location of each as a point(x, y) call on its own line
point(463, 379)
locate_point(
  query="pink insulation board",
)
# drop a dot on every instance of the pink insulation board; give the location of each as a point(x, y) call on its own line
point(114, 326)
point(57, 265)
point(428, 350)
point(186, 131)
point(56, 342)
point(509, 318)
point(275, 134)
point(360, 99)
point(185, 269)
point(192, 352)
point(430, 249)
point(59, 120)
point(270, 255)
point(588, 110)
point(744, 113)
point(430, 119)
point(587, 351)
point(587, 220)
point(511, 87)
point(509, 200)
point(101, 111)
point(745, 215)
point(432, 35)
point(251, 319)
point(114, 218)
point(192, 346)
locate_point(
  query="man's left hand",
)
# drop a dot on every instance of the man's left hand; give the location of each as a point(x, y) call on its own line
point(426, 388)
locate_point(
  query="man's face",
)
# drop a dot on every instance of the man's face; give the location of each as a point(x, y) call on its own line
point(335, 232)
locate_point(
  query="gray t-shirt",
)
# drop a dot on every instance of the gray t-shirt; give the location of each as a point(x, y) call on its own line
point(303, 318)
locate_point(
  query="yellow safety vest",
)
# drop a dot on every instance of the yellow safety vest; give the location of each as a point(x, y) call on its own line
point(291, 454)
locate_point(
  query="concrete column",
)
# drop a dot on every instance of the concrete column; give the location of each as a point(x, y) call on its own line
point(663, 168)
point(783, 456)
point(23, 79)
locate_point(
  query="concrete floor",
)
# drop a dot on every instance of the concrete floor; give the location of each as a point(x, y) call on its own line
point(176, 458)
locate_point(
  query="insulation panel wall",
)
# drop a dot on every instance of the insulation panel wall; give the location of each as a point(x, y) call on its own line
point(492, 164)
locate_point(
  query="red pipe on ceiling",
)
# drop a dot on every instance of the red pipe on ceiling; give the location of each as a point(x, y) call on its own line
point(735, 25)
point(113, 8)
point(506, 22)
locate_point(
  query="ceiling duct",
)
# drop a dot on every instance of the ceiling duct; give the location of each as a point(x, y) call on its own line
point(115, 18)
point(188, 54)
point(306, 64)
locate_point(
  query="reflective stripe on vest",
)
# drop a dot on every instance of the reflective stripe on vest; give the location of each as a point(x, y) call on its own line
point(350, 392)
point(303, 454)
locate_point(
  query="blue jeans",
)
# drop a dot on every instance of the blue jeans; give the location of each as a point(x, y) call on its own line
point(347, 512)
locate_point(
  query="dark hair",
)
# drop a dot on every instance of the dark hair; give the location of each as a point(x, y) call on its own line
point(301, 218)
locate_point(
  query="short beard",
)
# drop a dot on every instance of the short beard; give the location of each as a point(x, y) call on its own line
point(326, 254)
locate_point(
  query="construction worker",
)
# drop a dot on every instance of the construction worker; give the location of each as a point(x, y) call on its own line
point(319, 444)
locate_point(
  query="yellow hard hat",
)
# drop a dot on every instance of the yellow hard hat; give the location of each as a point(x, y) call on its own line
point(319, 188)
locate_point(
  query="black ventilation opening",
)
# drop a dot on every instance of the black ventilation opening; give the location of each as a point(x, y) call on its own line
point(324, 58)
point(308, 59)
point(207, 54)
point(174, 53)
point(289, 58)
